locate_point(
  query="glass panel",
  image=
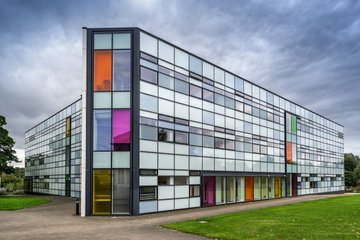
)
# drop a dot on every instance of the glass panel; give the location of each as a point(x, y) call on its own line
point(101, 191)
point(101, 160)
point(277, 187)
point(121, 41)
point(209, 191)
point(208, 70)
point(102, 99)
point(181, 59)
point(148, 44)
point(230, 189)
point(102, 70)
point(181, 86)
point(288, 152)
point(166, 81)
point(121, 192)
point(229, 80)
point(181, 137)
point(240, 189)
point(239, 84)
point(219, 76)
point(271, 187)
point(166, 135)
point(102, 41)
point(148, 193)
point(148, 75)
point(293, 124)
point(195, 65)
point(121, 68)
point(220, 190)
point(195, 91)
point(121, 160)
point(289, 185)
point(147, 132)
point(102, 130)
point(257, 183)
point(148, 103)
point(249, 191)
point(264, 188)
point(121, 99)
point(121, 130)
point(166, 52)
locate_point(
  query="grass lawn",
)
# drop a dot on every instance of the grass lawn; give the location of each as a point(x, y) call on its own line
point(332, 218)
point(8, 203)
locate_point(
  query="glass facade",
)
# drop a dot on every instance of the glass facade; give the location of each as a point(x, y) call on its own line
point(169, 130)
point(53, 154)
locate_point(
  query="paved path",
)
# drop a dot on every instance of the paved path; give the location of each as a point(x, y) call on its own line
point(56, 220)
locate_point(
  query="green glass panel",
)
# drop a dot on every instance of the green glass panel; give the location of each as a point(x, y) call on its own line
point(293, 124)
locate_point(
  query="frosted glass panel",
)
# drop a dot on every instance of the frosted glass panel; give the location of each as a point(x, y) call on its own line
point(148, 44)
point(121, 159)
point(102, 100)
point(166, 52)
point(102, 41)
point(181, 59)
point(101, 160)
point(121, 99)
point(121, 41)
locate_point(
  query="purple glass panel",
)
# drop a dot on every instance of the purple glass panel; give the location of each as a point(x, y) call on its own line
point(121, 130)
point(294, 184)
point(209, 191)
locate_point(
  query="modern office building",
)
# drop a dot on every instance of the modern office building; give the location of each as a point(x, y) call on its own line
point(159, 128)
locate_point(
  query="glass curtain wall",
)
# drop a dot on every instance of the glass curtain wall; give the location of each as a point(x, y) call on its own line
point(240, 189)
point(264, 188)
point(257, 188)
point(230, 190)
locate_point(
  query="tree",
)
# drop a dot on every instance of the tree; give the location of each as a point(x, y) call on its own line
point(350, 161)
point(7, 153)
point(357, 173)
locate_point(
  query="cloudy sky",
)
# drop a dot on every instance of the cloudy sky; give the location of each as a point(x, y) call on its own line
point(306, 51)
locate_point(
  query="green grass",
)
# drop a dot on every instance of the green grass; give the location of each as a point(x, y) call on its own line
point(8, 203)
point(332, 218)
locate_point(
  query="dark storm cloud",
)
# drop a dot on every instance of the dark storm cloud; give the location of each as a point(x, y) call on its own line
point(308, 52)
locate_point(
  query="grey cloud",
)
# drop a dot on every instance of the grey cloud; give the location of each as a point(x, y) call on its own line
point(306, 51)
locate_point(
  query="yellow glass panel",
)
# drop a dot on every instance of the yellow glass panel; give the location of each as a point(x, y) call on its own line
point(277, 187)
point(101, 191)
point(68, 127)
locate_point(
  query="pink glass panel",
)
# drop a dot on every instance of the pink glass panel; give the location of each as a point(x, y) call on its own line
point(209, 191)
point(121, 130)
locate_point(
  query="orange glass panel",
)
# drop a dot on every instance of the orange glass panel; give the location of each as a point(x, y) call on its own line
point(68, 126)
point(249, 189)
point(288, 152)
point(102, 70)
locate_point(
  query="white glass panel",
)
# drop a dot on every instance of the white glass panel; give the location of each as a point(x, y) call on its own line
point(121, 99)
point(148, 44)
point(195, 65)
point(102, 100)
point(166, 161)
point(166, 107)
point(166, 52)
point(101, 160)
point(102, 41)
point(219, 75)
point(181, 59)
point(181, 111)
point(208, 70)
point(121, 160)
point(121, 41)
point(229, 80)
point(148, 160)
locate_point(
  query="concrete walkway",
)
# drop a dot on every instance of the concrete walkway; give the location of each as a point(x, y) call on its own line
point(56, 220)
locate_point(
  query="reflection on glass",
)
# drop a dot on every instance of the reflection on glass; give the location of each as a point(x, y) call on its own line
point(121, 130)
point(121, 70)
point(102, 70)
point(102, 130)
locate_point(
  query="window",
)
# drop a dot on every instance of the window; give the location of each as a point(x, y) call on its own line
point(148, 172)
point(121, 41)
point(166, 81)
point(195, 91)
point(230, 144)
point(181, 180)
point(219, 143)
point(181, 86)
point(239, 84)
point(102, 70)
point(148, 75)
point(194, 190)
point(247, 109)
point(207, 95)
point(101, 191)
point(148, 193)
point(147, 132)
point(181, 59)
point(181, 137)
point(208, 70)
point(102, 130)
point(148, 103)
point(121, 130)
point(208, 141)
point(219, 99)
point(230, 103)
point(195, 65)
point(239, 106)
point(166, 52)
point(148, 44)
point(121, 70)
point(166, 135)
point(165, 180)
point(195, 139)
point(102, 41)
